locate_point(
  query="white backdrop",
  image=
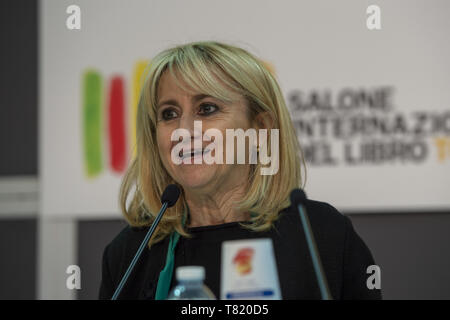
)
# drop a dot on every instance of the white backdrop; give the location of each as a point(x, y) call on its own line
point(316, 47)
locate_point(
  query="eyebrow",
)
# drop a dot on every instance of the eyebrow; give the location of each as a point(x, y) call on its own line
point(195, 98)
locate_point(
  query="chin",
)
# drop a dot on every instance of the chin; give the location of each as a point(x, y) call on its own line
point(194, 176)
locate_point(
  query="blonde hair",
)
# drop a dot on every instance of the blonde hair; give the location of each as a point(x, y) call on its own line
point(221, 71)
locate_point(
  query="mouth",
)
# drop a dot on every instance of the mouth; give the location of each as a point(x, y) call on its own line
point(193, 153)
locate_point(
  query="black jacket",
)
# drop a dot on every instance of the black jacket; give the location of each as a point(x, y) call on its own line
point(344, 255)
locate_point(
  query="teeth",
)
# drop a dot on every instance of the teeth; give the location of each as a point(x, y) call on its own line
point(191, 153)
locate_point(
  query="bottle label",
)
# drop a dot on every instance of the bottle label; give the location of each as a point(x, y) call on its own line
point(249, 270)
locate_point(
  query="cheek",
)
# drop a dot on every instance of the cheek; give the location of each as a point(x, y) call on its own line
point(163, 141)
point(241, 120)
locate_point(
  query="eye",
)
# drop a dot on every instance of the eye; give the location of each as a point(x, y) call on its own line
point(168, 114)
point(208, 108)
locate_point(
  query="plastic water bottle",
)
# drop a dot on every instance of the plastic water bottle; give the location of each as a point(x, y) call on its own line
point(190, 285)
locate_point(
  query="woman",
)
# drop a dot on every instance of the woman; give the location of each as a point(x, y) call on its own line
point(222, 87)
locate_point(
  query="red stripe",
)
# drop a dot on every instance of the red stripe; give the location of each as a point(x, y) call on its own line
point(116, 135)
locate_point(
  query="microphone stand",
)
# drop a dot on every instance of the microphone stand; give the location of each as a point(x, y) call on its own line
point(139, 252)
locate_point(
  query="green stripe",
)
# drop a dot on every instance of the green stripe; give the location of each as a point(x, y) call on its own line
point(165, 276)
point(92, 123)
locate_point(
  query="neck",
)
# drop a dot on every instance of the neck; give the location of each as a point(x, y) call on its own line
point(212, 208)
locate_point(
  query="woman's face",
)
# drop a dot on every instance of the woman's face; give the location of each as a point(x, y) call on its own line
point(179, 109)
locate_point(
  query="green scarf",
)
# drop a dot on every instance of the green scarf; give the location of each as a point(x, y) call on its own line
point(165, 276)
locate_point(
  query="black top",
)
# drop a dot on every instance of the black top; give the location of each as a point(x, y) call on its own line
point(344, 255)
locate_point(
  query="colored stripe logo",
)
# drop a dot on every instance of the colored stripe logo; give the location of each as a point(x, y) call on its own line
point(105, 142)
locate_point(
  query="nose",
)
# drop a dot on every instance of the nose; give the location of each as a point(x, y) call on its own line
point(187, 122)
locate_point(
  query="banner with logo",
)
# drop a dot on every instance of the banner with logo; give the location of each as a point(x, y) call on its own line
point(371, 105)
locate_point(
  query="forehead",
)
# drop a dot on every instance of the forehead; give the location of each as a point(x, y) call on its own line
point(176, 84)
point(170, 86)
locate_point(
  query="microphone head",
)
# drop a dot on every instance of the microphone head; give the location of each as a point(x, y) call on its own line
point(170, 195)
point(298, 196)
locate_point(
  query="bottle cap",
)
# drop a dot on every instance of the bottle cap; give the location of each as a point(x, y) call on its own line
point(191, 273)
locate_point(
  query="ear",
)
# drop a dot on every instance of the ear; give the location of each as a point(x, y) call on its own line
point(263, 120)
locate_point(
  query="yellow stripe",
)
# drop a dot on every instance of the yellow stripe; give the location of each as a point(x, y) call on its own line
point(138, 81)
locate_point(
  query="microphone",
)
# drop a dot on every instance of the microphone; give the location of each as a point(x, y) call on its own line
point(168, 199)
point(298, 199)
